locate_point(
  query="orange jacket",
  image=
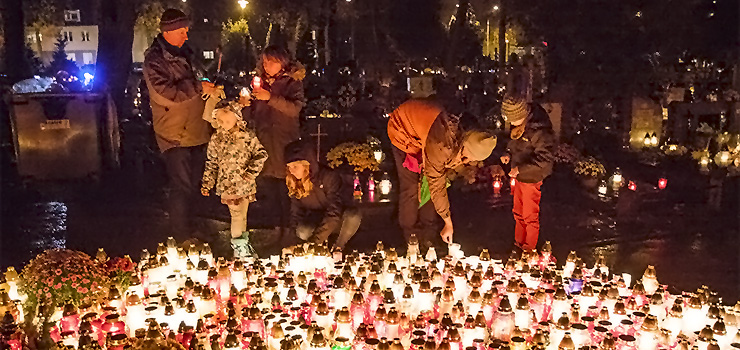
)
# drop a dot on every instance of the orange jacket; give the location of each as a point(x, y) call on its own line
point(421, 128)
point(409, 124)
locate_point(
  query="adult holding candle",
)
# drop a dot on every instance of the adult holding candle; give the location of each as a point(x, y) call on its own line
point(428, 143)
point(530, 153)
point(273, 108)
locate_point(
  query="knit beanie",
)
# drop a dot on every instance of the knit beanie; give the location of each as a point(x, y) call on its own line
point(173, 19)
point(514, 108)
point(479, 144)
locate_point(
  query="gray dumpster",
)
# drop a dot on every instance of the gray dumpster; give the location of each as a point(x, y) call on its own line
point(67, 136)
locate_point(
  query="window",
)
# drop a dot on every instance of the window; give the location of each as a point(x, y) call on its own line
point(72, 15)
point(87, 58)
point(67, 36)
point(72, 57)
point(208, 55)
point(85, 35)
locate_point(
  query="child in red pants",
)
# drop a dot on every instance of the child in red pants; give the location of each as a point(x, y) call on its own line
point(530, 153)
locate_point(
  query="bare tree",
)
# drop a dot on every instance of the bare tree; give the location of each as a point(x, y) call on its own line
point(115, 40)
point(44, 17)
point(14, 45)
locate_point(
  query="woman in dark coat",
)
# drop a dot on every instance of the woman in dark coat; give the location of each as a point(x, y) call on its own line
point(318, 207)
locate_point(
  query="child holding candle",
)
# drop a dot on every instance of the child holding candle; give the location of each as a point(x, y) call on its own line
point(274, 106)
point(235, 158)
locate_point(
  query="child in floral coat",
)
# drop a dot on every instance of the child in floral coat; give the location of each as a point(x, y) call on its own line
point(235, 158)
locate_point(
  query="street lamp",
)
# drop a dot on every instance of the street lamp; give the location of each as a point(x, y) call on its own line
point(243, 4)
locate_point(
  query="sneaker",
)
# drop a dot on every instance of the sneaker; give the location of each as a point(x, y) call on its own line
point(242, 248)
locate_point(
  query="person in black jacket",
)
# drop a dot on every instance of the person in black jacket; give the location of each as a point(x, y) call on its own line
point(531, 153)
point(317, 206)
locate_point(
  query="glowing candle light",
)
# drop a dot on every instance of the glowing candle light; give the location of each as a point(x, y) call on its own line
point(257, 83)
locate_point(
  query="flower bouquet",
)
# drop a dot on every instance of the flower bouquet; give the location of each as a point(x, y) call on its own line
point(358, 155)
point(590, 167)
point(60, 276)
point(590, 170)
point(120, 270)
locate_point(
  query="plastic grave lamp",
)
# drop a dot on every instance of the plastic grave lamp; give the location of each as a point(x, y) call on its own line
point(378, 155)
point(617, 178)
point(513, 182)
point(257, 83)
point(662, 183)
point(385, 184)
point(654, 140)
point(646, 141)
point(632, 186)
point(497, 186)
point(603, 189)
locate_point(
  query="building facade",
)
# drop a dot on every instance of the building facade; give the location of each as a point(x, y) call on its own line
point(80, 31)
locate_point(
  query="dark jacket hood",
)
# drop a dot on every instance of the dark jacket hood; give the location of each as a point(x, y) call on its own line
point(539, 119)
point(303, 150)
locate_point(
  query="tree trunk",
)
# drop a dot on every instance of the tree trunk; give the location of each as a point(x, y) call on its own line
point(267, 38)
point(327, 51)
point(502, 37)
point(14, 54)
point(296, 35)
point(115, 41)
point(39, 48)
point(328, 14)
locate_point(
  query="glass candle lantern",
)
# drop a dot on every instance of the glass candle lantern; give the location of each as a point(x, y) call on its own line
point(503, 324)
point(523, 313)
point(650, 280)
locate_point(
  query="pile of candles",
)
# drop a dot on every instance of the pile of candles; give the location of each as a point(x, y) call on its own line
point(316, 299)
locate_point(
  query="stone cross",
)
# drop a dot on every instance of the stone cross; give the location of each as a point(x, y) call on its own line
point(318, 136)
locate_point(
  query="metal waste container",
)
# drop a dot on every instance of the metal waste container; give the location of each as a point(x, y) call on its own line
point(68, 136)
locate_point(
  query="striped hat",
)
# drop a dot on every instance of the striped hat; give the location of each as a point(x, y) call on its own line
point(514, 108)
point(173, 19)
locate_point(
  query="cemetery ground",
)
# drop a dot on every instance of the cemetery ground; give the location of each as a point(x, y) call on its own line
point(689, 244)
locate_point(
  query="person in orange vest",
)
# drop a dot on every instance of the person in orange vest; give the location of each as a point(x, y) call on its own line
point(427, 143)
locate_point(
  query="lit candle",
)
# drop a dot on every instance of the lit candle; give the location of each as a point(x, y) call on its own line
point(504, 323)
point(257, 82)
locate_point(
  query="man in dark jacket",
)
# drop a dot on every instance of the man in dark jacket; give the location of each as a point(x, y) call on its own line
point(175, 93)
point(426, 142)
point(317, 206)
point(273, 109)
point(530, 152)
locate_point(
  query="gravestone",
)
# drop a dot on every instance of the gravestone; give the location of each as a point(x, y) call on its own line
point(555, 112)
point(420, 87)
point(647, 119)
